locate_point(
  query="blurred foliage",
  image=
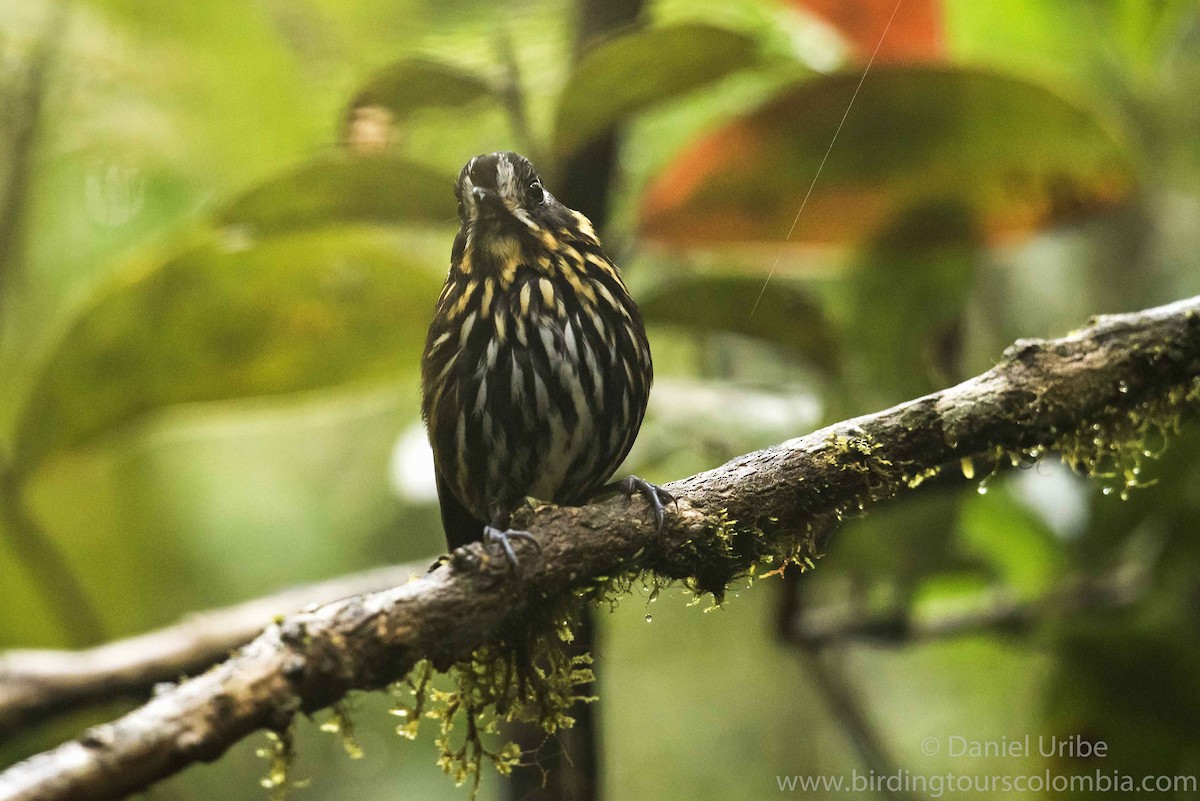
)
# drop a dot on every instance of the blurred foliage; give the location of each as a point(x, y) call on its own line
point(640, 69)
point(227, 319)
point(788, 317)
point(341, 190)
point(1015, 154)
point(405, 87)
point(235, 224)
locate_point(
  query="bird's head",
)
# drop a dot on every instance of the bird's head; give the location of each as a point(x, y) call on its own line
point(500, 186)
point(508, 218)
point(502, 194)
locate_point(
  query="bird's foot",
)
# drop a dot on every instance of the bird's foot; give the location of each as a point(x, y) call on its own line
point(656, 495)
point(504, 538)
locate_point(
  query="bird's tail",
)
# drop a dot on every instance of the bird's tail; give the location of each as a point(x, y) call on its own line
point(461, 526)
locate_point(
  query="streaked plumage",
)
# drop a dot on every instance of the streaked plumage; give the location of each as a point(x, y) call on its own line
point(536, 369)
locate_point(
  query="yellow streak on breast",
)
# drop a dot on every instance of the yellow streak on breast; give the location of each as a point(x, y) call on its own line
point(526, 297)
point(547, 290)
point(582, 286)
point(585, 225)
point(489, 290)
point(461, 304)
point(501, 328)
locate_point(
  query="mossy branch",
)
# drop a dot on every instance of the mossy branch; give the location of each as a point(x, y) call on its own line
point(1093, 395)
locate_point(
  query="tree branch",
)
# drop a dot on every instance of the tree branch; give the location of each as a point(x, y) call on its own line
point(1002, 614)
point(37, 684)
point(21, 118)
point(512, 93)
point(1109, 380)
point(847, 709)
point(51, 571)
point(24, 106)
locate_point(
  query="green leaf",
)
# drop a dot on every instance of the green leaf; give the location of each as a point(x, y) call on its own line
point(1021, 549)
point(1127, 40)
point(639, 69)
point(1015, 155)
point(903, 305)
point(785, 315)
point(343, 188)
point(415, 83)
point(223, 319)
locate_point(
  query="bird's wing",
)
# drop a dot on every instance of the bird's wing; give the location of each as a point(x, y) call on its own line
point(460, 525)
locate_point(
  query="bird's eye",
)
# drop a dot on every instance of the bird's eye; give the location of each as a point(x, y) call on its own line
point(535, 194)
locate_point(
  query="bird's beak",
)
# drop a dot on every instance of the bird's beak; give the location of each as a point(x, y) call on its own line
point(487, 200)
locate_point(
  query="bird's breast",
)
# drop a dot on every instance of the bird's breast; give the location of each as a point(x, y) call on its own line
point(539, 385)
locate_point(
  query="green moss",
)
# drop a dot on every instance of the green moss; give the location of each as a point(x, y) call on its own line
point(874, 477)
point(727, 550)
point(1112, 446)
point(858, 454)
point(1115, 444)
point(340, 723)
point(534, 680)
point(279, 752)
point(921, 476)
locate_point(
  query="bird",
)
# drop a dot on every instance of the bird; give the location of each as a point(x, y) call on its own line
point(536, 369)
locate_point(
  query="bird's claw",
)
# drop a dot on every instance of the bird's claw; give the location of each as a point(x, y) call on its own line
point(495, 536)
point(654, 494)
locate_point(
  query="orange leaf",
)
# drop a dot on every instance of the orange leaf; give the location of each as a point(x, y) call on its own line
point(916, 32)
point(1012, 154)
